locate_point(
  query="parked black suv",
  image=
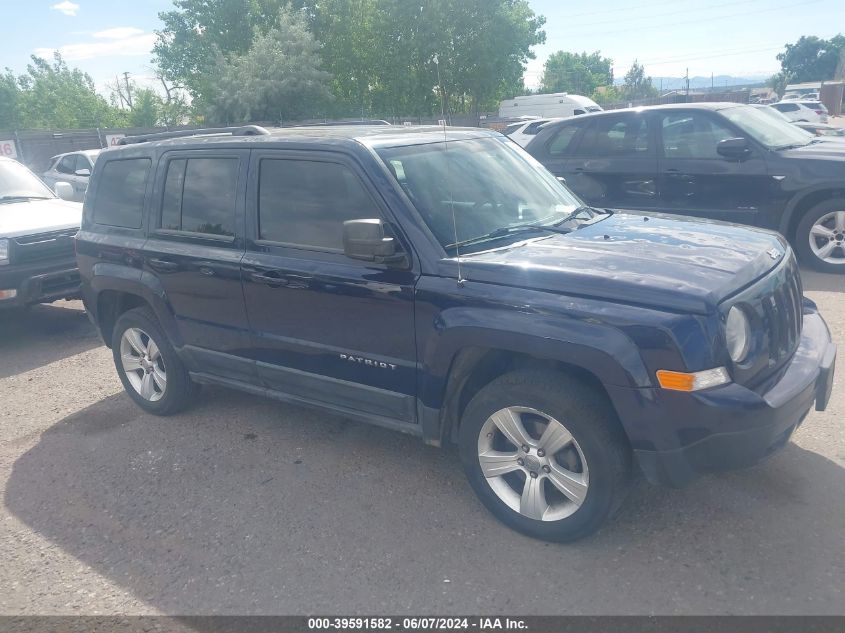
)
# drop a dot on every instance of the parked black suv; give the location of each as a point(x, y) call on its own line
point(712, 160)
point(439, 282)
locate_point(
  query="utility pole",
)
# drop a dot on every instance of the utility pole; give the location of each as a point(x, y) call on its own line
point(686, 78)
point(128, 91)
point(711, 81)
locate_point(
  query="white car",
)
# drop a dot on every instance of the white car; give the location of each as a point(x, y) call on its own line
point(809, 111)
point(74, 168)
point(522, 132)
point(37, 228)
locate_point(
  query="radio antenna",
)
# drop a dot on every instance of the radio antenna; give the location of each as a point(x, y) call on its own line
point(448, 181)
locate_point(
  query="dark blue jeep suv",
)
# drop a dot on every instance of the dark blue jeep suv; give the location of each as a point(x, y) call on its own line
point(442, 283)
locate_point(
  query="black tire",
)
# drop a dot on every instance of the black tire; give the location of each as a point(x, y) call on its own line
point(593, 424)
point(180, 389)
point(802, 236)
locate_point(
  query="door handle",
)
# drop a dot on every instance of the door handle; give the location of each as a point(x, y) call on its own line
point(268, 279)
point(163, 266)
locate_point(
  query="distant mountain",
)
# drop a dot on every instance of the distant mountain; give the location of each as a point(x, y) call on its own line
point(698, 82)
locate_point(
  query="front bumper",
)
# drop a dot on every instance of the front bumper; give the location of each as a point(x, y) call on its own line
point(678, 436)
point(40, 282)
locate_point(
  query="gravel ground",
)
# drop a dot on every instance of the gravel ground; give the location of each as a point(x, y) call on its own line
point(247, 506)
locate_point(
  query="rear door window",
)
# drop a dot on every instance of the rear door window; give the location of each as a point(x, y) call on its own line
point(67, 164)
point(563, 142)
point(616, 137)
point(200, 196)
point(120, 193)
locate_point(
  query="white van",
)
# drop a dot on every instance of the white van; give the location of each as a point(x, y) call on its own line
point(559, 104)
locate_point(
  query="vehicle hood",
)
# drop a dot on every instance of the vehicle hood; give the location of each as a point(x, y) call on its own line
point(38, 216)
point(826, 148)
point(671, 262)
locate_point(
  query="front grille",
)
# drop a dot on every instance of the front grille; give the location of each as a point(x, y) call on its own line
point(774, 307)
point(46, 246)
point(783, 317)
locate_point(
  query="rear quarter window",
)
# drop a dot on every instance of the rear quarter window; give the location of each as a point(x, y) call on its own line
point(119, 200)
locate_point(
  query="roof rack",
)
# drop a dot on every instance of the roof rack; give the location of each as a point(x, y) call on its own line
point(243, 130)
point(341, 123)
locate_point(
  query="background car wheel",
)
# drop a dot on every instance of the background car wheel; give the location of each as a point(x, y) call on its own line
point(820, 236)
point(545, 454)
point(148, 366)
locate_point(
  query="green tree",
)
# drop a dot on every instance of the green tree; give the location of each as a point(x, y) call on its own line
point(580, 73)
point(55, 96)
point(608, 95)
point(10, 101)
point(380, 53)
point(811, 58)
point(487, 43)
point(146, 108)
point(637, 85)
point(197, 32)
point(278, 78)
point(777, 82)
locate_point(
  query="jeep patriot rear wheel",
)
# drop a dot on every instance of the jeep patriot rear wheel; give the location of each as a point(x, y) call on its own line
point(148, 366)
point(545, 454)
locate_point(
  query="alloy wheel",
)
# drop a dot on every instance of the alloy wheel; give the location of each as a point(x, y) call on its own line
point(533, 464)
point(827, 237)
point(143, 363)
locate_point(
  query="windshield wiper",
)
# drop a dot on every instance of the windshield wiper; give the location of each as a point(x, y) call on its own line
point(19, 198)
point(578, 211)
point(508, 230)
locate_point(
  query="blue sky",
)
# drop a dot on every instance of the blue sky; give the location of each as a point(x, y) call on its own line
point(739, 37)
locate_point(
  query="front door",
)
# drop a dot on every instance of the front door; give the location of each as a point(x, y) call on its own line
point(615, 164)
point(195, 246)
point(695, 180)
point(326, 329)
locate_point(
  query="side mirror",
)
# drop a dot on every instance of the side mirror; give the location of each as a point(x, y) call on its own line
point(733, 148)
point(64, 190)
point(83, 172)
point(366, 240)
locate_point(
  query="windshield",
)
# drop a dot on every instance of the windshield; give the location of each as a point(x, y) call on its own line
point(773, 132)
point(17, 182)
point(490, 184)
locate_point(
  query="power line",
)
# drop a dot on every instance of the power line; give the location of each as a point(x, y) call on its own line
point(660, 15)
point(697, 21)
point(637, 7)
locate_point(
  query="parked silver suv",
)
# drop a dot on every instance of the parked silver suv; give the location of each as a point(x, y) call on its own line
point(74, 168)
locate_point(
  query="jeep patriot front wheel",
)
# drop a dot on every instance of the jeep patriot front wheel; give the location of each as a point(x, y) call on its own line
point(544, 454)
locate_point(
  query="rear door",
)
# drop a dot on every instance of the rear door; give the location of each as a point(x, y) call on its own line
point(696, 180)
point(326, 328)
point(790, 110)
point(556, 146)
point(615, 163)
point(195, 247)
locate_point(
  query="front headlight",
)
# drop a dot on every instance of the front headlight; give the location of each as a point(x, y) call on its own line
point(738, 334)
point(4, 251)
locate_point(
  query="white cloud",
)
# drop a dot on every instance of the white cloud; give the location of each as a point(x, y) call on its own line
point(118, 33)
point(66, 7)
point(140, 43)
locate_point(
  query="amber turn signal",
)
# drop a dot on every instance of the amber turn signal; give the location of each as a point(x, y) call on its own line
point(694, 381)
